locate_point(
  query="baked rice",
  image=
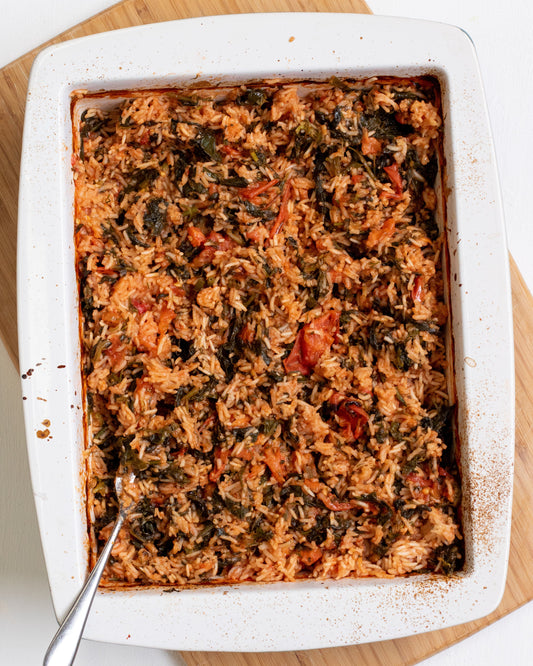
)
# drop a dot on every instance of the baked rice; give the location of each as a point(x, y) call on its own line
point(263, 332)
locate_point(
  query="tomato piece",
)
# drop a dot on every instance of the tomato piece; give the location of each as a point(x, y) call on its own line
point(213, 243)
point(196, 236)
point(219, 467)
point(318, 337)
point(312, 341)
point(355, 417)
point(139, 305)
point(336, 399)
point(309, 556)
point(370, 145)
point(283, 214)
point(314, 344)
point(351, 415)
point(220, 242)
point(205, 257)
point(417, 293)
point(255, 189)
point(356, 178)
point(294, 361)
point(395, 178)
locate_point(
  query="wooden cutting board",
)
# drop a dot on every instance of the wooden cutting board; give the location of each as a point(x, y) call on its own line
point(401, 652)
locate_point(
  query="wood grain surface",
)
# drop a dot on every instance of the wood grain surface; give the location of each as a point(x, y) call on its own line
point(401, 652)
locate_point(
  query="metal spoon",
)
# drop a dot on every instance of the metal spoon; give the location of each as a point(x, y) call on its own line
point(64, 645)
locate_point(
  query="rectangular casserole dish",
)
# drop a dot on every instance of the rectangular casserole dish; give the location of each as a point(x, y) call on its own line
point(235, 49)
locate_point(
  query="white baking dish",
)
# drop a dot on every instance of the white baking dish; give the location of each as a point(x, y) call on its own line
point(234, 49)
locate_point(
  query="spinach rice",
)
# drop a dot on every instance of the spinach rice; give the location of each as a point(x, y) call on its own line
point(263, 319)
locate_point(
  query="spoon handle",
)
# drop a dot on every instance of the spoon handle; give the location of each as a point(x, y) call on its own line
point(64, 645)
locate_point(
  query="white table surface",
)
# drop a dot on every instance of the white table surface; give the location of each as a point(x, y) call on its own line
point(502, 34)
